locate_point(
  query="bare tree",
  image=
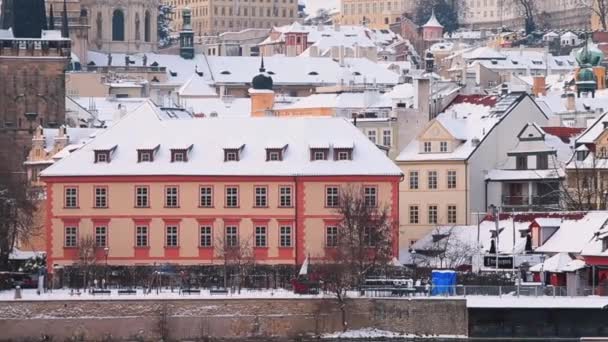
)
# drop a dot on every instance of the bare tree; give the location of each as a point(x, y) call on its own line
point(237, 256)
point(363, 244)
point(86, 257)
point(445, 250)
point(586, 187)
point(528, 8)
point(597, 7)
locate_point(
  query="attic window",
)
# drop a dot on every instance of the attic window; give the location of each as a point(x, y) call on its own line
point(104, 155)
point(318, 153)
point(514, 62)
point(343, 154)
point(180, 154)
point(146, 155)
point(225, 72)
point(494, 62)
point(560, 63)
point(275, 153)
point(313, 73)
point(233, 153)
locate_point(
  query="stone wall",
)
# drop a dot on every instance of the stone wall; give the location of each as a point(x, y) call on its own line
point(223, 318)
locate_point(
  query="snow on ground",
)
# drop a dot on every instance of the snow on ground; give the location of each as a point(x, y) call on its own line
point(590, 302)
point(367, 333)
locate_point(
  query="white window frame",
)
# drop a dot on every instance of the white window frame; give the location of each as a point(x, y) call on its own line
point(432, 180)
point(319, 155)
point(142, 195)
point(145, 156)
point(172, 197)
point(179, 157)
point(427, 147)
point(274, 156)
point(343, 155)
point(70, 236)
point(370, 195)
point(172, 235)
point(331, 236)
point(101, 197)
point(231, 236)
point(101, 157)
point(387, 137)
point(101, 236)
point(332, 196)
point(452, 214)
point(443, 146)
point(433, 212)
point(232, 194)
point(231, 156)
point(205, 236)
point(71, 197)
point(205, 197)
point(452, 181)
point(372, 135)
point(285, 199)
point(414, 180)
point(261, 196)
point(285, 239)
point(414, 214)
point(261, 236)
point(141, 236)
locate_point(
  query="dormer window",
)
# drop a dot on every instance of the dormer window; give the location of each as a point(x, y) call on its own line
point(443, 146)
point(343, 153)
point(233, 153)
point(318, 154)
point(275, 152)
point(427, 146)
point(104, 154)
point(102, 157)
point(180, 154)
point(146, 154)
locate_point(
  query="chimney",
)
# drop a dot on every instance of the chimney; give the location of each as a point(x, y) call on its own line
point(539, 86)
point(337, 26)
point(341, 55)
point(354, 116)
point(570, 102)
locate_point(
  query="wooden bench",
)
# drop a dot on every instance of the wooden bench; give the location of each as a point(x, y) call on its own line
point(101, 292)
point(218, 291)
point(127, 292)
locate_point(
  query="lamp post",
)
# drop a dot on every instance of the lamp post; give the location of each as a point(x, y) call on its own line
point(106, 252)
point(495, 214)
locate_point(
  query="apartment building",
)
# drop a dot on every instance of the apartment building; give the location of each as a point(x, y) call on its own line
point(378, 14)
point(493, 14)
point(170, 190)
point(212, 17)
point(446, 165)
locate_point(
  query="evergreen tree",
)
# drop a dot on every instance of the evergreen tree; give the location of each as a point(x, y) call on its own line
point(65, 32)
point(446, 12)
point(51, 18)
point(164, 25)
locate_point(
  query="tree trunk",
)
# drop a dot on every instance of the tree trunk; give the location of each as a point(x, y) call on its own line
point(343, 311)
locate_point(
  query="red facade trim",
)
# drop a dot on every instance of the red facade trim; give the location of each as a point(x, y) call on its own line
point(49, 227)
point(202, 179)
point(395, 216)
point(299, 243)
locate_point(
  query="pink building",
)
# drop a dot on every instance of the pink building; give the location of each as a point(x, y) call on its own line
point(152, 190)
point(432, 30)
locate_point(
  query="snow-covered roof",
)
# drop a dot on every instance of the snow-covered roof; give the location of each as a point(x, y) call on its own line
point(549, 221)
point(569, 35)
point(433, 22)
point(197, 86)
point(75, 136)
point(556, 101)
point(342, 100)
point(465, 122)
point(105, 109)
point(509, 175)
point(557, 264)
point(573, 235)
point(220, 107)
point(210, 136)
point(590, 135)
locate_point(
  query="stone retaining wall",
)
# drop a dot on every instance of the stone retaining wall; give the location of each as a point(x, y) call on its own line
point(223, 318)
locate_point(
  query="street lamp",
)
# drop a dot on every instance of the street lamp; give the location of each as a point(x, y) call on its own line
point(106, 251)
point(495, 214)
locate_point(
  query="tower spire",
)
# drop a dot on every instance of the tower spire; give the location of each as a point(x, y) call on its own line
point(262, 69)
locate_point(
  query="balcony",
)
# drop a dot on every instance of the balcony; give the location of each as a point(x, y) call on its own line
point(536, 202)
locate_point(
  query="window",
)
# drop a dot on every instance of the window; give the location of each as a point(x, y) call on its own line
point(521, 162)
point(206, 196)
point(102, 157)
point(318, 154)
point(178, 156)
point(141, 236)
point(274, 156)
point(101, 197)
point(285, 236)
point(260, 236)
point(542, 161)
point(231, 156)
point(414, 218)
point(427, 146)
point(331, 236)
point(144, 156)
point(371, 134)
point(205, 236)
point(231, 238)
point(387, 137)
point(118, 25)
point(370, 194)
point(343, 155)
point(285, 196)
point(141, 197)
point(331, 196)
point(171, 197)
point(71, 197)
point(171, 236)
point(71, 236)
point(432, 214)
point(451, 179)
point(432, 179)
point(413, 180)
point(232, 197)
point(101, 236)
point(452, 214)
point(443, 146)
point(261, 196)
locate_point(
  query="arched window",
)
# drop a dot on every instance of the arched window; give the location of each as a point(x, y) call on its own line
point(118, 25)
point(137, 24)
point(147, 26)
point(99, 23)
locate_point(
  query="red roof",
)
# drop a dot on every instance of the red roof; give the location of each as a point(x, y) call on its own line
point(486, 100)
point(564, 133)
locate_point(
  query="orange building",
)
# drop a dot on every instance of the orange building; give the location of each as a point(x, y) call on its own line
point(151, 190)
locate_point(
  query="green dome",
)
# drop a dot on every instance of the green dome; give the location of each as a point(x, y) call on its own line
point(585, 75)
point(589, 55)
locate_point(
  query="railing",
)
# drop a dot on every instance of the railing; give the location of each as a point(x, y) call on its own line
point(537, 200)
point(482, 290)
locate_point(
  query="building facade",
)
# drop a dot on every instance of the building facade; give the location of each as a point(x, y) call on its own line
point(374, 13)
point(269, 186)
point(212, 17)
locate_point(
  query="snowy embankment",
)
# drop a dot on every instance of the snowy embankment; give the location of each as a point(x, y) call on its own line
point(528, 302)
point(369, 333)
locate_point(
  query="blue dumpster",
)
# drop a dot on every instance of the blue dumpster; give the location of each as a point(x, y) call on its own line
point(443, 282)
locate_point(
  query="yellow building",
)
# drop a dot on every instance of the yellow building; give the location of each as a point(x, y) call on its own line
point(374, 13)
point(212, 17)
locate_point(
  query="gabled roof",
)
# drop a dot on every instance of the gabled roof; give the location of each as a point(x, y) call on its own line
point(210, 136)
point(433, 22)
point(574, 235)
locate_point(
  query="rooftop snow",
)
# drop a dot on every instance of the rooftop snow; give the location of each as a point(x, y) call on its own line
point(573, 235)
point(210, 136)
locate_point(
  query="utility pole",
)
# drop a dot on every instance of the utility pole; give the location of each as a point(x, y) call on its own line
point(496, 214)
point(478, 245)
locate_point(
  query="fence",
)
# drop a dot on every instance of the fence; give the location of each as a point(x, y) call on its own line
point(481, 290)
